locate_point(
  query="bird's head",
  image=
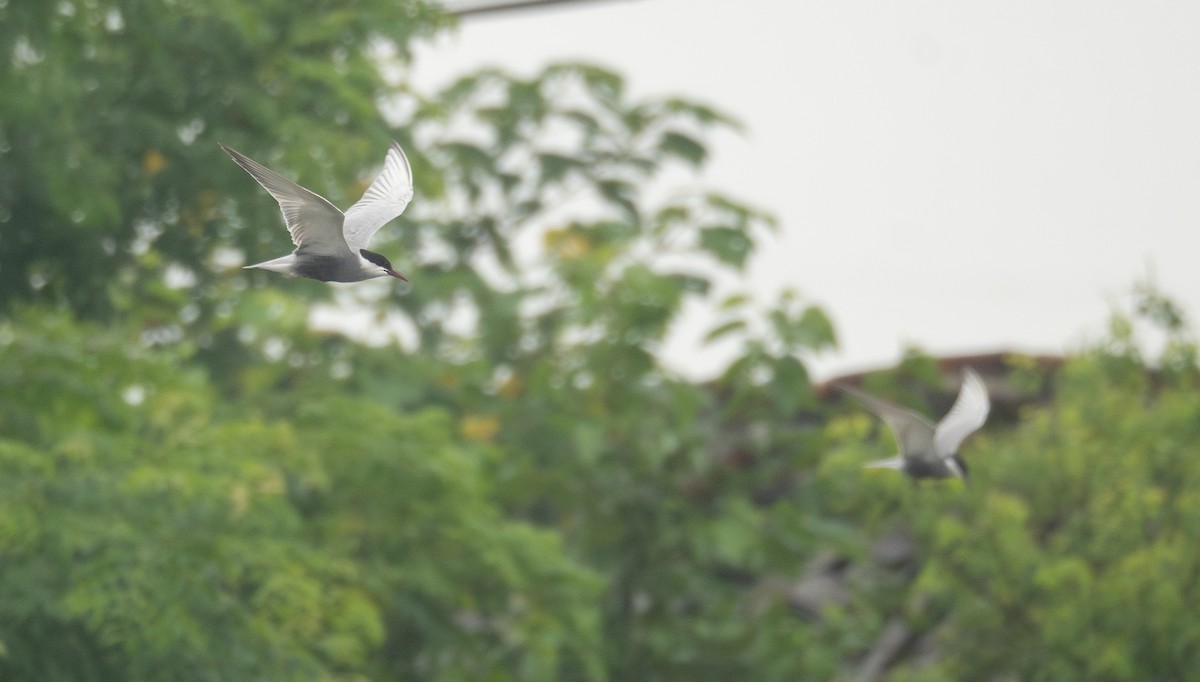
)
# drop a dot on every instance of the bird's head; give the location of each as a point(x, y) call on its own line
point(385, 266)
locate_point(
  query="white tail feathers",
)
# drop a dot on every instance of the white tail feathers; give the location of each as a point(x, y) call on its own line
point(892, 463)
point(284, 264)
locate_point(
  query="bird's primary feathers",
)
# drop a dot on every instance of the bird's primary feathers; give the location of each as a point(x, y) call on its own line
point(332, 246)
point(928, 450)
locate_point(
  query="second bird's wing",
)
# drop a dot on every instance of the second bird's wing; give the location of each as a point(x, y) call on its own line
point(913, 432)
point(385, 199)
point(314, 223)
point(969, 412)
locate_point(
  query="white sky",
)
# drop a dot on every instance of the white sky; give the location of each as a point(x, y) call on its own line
point(964, 176)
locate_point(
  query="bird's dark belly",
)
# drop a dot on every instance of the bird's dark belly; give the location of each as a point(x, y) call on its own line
point(922, 468)
point(326, 269)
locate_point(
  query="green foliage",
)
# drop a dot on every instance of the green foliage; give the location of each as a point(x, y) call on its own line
point(1074, 542)
point(150, 532)
point(203, 487)
point(1079, 554)
point(195, 484)
point(110, 169)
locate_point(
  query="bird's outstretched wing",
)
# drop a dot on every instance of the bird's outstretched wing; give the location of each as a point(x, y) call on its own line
point(913, 432)
point(385, 199)
point(969, 412)
point(314, 223)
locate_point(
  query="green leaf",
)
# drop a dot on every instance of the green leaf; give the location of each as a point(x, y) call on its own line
point(555, 167)
point(727, 244)
point(691, 283)
point(683, 147)
point(701, 113)
point(724, 329)
point(734, 301)
point(620, 193)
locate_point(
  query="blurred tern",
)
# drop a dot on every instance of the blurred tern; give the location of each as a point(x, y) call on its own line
point(926, 450)
point(332, 246)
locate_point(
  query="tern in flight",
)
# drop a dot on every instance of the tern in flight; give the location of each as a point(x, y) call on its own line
point(926, 450)
point(332, 246)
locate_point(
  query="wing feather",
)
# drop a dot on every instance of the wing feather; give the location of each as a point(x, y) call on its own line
point(914, 433)
point(314, 223)
point(969, 412)
point(386, 198)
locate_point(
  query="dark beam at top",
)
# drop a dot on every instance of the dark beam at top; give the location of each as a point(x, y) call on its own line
point(486, 8)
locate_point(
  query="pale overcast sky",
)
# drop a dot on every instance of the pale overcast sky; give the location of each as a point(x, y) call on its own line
point(964, 176)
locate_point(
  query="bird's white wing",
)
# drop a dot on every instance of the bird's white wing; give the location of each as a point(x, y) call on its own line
point(385, 199)
point(969, 412)
point(314, 223)
point(913, 432)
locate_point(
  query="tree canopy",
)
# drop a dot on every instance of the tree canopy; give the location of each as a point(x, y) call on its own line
point(505, 482)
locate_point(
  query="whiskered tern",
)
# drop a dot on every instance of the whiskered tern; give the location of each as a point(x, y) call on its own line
point(332, 246)
point(926, 450)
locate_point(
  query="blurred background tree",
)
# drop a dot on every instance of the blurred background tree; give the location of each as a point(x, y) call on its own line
point(1070, 556)
point(496, 478)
